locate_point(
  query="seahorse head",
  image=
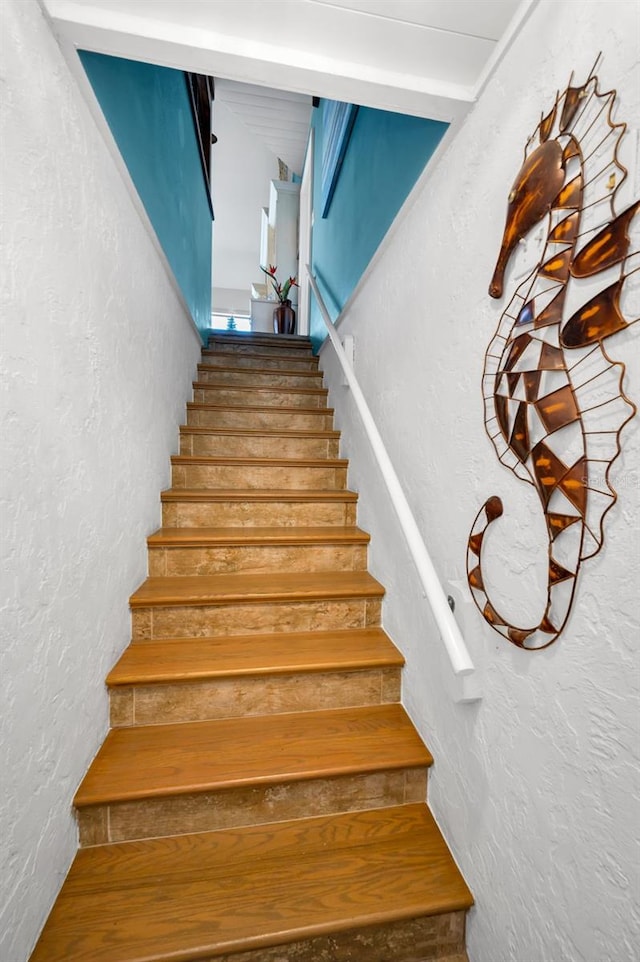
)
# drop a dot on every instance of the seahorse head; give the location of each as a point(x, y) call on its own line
point(531, 197)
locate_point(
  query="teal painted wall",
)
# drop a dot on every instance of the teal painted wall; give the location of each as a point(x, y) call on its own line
point(148, 111)
point(386, 154)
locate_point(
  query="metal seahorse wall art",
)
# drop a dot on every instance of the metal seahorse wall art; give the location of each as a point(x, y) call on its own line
point(554, 400)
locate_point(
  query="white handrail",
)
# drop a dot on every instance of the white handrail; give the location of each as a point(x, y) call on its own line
point(447, 625)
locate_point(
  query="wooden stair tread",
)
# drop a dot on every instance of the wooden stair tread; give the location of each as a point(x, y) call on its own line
point(243, 408)
point(252, 461)
point(232, 355)
point(223, 385)
point(250, 372)
point(258, 494)
point(214, 895)
point(189, 659)
point(159, 760)
point(285, 341)
point(265, 433)
point(254, 535)
point(223, 589)
point(200, 896)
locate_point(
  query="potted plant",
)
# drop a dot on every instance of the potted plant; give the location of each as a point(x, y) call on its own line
point(284, 316)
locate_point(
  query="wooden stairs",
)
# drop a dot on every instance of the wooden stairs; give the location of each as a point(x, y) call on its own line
point(261, 794)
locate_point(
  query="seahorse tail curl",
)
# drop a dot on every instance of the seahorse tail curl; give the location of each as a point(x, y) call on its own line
point(488, 513)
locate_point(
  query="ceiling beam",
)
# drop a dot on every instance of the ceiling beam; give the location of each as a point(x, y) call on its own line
point(115, 32)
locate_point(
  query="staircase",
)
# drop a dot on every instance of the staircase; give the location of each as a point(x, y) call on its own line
point(261, 794)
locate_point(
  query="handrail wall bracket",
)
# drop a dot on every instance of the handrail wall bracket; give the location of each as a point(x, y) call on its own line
point(465, 685)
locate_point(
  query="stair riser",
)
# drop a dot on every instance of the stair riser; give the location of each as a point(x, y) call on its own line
point(278, 397)
point(264, 476)
point(202, 621)
point(269, 420)
point(242, 750)
point(437, 937)
point(257, 348)
point(250, 513)
point(250, 805)
point(253, 379)
point(238, 446)
point(255, 559)
point(251, 695)
point(247, 361)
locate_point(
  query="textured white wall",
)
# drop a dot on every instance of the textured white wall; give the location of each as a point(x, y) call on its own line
point(97, 359)
point(536, 787)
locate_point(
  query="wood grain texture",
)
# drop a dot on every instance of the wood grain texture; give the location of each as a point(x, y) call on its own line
point(280, 341)
point(235, 359)
point(250, 699)
point(209, 472)
point(266, 433)
point(244, 408)
point(136, 763)
point(177, 560)
point(216, 810)
point(262, 344)
point(274, 397)
point(191, 514)
point(274, 535)
point(237, 618)
point(258, 392)
point(290, 463)
point(244, 655)
point(251, 372)
point(233, 696)
point(270, 380)
point(257, 494)
point(406, 940)
point(206, 440)
point(204, 896)
point(249, 589)
point(205, 413)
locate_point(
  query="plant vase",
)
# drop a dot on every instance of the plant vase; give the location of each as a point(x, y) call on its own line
point(284, 318)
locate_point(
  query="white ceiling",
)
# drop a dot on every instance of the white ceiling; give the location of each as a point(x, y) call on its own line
point(279, 119)
point(424, 57)
point(429, 58)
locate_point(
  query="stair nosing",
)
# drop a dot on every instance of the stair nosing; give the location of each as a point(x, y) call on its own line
point(269, 409)
point(201, 787)
point(407, 872)
point(252, 371)
point(296, 341)
point(256, 535)
point(276, 388)
point(144, 670)
point(161, 845)
point(228, 335)
point(162, 865)
point(209, 352)
point(256, 433)
point(415, 753)
point(306, 495)
point(140, 680)
point(210, 589)
point(256, 462)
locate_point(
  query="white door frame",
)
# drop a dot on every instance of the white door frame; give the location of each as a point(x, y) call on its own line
point(304, 238)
